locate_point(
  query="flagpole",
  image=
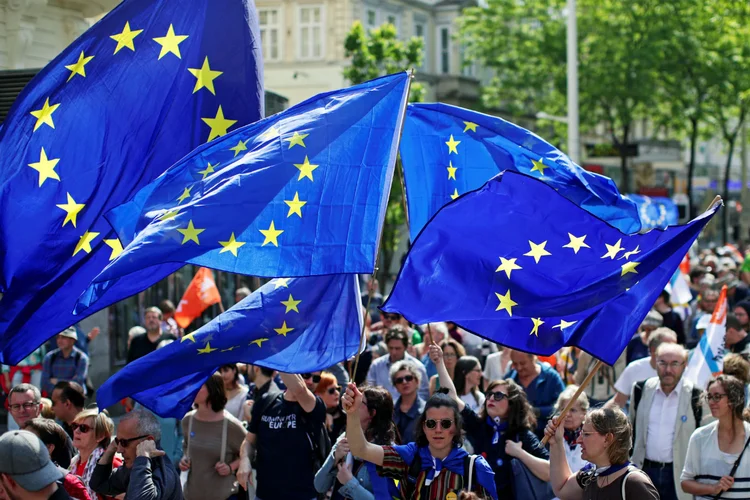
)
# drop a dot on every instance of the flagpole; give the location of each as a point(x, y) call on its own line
point(371, 292)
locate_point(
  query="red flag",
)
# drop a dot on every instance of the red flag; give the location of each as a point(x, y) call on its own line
point(200, 293)
point(685, 265)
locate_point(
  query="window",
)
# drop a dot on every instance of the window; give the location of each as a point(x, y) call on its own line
point(372, 19)
point(392, 19)
point(270, 33)
point(419, 33)
point(444, 52)
point(310, 32)
point(467, 70)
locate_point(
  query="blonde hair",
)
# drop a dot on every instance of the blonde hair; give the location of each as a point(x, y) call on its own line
point(103, 425)
point(566, 395)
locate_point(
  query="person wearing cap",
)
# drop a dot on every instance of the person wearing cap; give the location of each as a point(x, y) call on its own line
point(67, 362)
point(26, 471)
point(638, 345)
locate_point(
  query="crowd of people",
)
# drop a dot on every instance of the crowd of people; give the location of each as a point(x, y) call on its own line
point(431, 412)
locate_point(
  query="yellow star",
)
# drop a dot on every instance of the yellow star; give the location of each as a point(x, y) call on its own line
point(576, 243)
point(116, 247)
point(451, 171)
point(295, 205)
point(189, 336)
point(259, 342)
point(507, 265)
point(470, 126)
point(125, 39)
point(537, 323)
point(296, 139)
point(170, 43)
point(629, 267)
point(169, 215)
point(71, 208)
point(207, 350)
point(613, 250)
point(283, 330)
point(537, 251)
point(79, 67)
point(506, 303)
point(45, 167)
point(281, 283)
point(272, 133)
point(271, 235)
point(291, 304)
point(629, 254)
point(205, 77)
point(452, 145)
point(190, 233)
point(208, 170)
point(305, 169)
point(44, 116)
point(241, 146)
point(539, 166)
point(455, 194)
point(218, 124)
point(185, 194)
point(565, 324)
point(231, 246)
point(85, 242)
point(230, 349)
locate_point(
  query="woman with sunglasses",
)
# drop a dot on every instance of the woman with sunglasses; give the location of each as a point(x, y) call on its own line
point(715, 448)
point(435, 466)
point(92, 433)
point(330, 392)
point(502, 429)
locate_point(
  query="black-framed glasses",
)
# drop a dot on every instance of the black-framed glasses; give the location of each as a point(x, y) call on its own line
point(80, 427)
point(497, 396)
point(308, 376)
point(401, 380)
point(391, 317)
point(334, 390)
point(26, 406)
point(445, 423)
point(715, 398)
point(126, 442)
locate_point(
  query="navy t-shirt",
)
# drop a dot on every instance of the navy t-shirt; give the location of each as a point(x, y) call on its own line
point(284, 454)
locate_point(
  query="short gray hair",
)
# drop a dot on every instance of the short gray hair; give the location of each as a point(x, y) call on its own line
point(21, 388)
point(408, 366)
point(567, 394)
point(147, 424)
point(660, 336)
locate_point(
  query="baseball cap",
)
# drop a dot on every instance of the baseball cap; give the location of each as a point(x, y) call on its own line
point(24, 457)
point(70, 333)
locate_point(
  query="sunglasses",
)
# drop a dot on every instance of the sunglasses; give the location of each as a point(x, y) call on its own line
point(401, 380)
point(445, 423)
point(497, 396)
point(308, 376)
point(80, 427)
point(392, 317)
point(126, 442)
point(334, 390)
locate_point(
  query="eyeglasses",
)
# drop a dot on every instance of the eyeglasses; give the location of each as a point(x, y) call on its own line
point(715, 398)
point(308, 376)
point(497, 396)
point(401, 380)
point(334, 390)
point(80, 427)
point(445, 423)
point(26, 406)
point(126, 442)
point(392, 317)
point(673, 365)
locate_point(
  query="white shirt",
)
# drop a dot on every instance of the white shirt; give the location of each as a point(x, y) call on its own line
point(472, 402)
point(638, 370)
point(494, 368)
point(661, 423)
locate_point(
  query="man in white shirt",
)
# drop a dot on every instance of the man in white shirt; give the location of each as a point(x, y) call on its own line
point(665, 410)
point(641, 369)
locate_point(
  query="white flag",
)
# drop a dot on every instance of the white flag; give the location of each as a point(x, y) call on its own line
point(708, 357)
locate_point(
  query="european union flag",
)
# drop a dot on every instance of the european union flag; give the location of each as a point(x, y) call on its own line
point(294, 325)
point(143, 87)
point(300, 193)
point(521, 265)
point(655, 211)
point(447, 151)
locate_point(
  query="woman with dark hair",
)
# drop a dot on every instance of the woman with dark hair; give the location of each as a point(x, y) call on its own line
point(350, 476)
point(435, 466)
point(467, 380)
point(211, 448)
point(236, 392)
point(452, 352)
point(502, 429)
point(742, 312)
point(716, 447)
point(606, 440)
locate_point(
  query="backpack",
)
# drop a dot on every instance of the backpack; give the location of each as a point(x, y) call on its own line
point(415, 467)
point(695, 398)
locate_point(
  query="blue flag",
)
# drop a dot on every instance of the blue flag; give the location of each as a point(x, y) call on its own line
point(655, 211)
point(294, 325)
point(143, 87)
point(447, 151)
point(301, 193)
point(519, 264)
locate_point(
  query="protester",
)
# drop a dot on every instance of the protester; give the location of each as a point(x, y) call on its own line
point(468, 380)
point(496, 365)
point(452, 352)
point(742, 313)
point(26, 471)
point(405, 377)
point(168, 323)
point(27, 371)
point(358, 479)
point(601, 388)
point(606, 441)
point(714, 449)
point(737, 339)
point(66, 363)
point(92, 435)
point(638, 346)
point(67, 402)
point(568, 363)
point(330, 392)
point(262, 381)
point(379, 374)
point(24, 403)
point(146, 343)
point(541, 383)
point(436, 457)
point(436, 333)
point(236, 392)
point(146, 471)
point(211, 448)
point(572, 425)
point(672, 319)
point(738, 366)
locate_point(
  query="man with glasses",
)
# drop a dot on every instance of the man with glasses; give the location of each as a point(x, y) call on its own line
point(146, 470)
point(379, 374)
point(24, 403)
point(405, 376)
point(666, 409)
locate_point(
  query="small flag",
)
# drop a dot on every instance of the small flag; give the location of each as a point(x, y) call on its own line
point(708, 358)
point(200, 294)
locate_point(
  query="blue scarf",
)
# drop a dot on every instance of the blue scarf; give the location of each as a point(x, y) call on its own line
point(498, 427)
point(382, 487)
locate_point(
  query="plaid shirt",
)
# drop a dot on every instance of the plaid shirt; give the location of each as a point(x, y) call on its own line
point(73, 368)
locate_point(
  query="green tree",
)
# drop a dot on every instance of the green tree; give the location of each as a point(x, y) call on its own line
point(376, 53)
